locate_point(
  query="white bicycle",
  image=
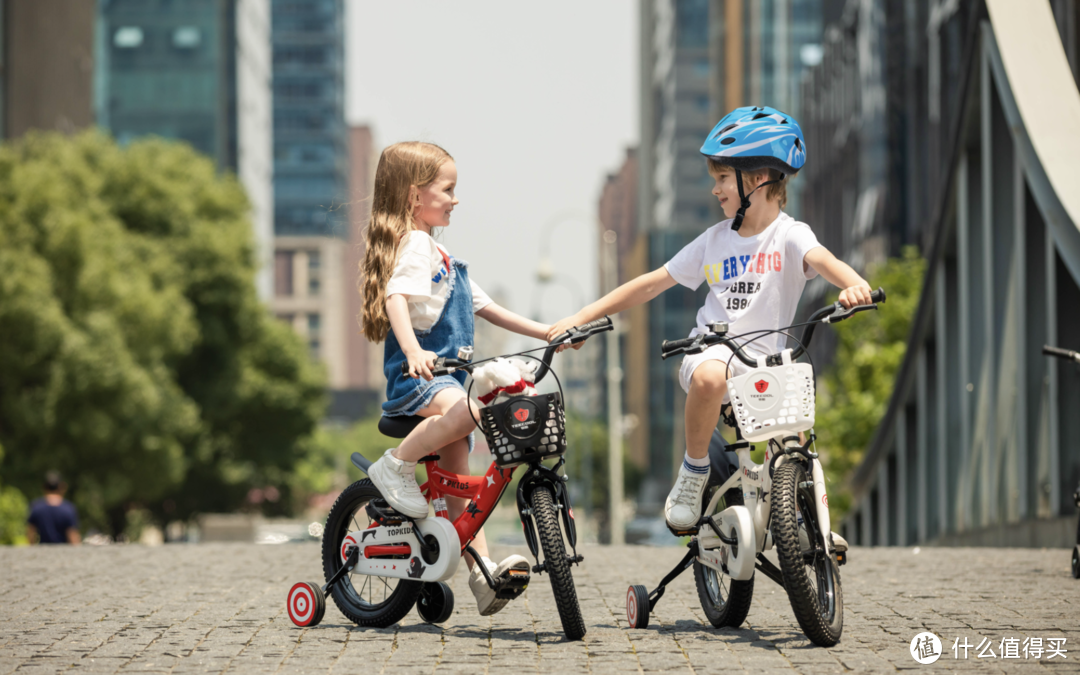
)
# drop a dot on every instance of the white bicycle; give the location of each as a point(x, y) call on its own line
point(781, 503)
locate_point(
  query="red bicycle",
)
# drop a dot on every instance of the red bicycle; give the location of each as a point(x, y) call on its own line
point(379, 563)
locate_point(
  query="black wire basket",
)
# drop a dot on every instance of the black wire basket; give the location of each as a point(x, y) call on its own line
point(525, 429)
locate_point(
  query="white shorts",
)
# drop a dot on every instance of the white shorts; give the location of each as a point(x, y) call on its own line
point(722, 353)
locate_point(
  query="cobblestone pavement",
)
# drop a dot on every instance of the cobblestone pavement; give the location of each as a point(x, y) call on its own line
point(218, 608)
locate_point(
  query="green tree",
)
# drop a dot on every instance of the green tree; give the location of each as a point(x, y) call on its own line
point(13, 512)
point(138, 359)
point(859, 384)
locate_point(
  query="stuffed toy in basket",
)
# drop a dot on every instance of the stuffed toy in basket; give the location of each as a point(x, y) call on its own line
point(520, 426)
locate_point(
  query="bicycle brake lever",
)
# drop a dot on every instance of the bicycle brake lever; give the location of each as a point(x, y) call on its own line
point(840, 312)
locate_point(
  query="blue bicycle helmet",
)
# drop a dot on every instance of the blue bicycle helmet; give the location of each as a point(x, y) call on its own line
point(752, 138)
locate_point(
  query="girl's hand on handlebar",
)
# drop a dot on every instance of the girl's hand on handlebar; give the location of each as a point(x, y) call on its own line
point(855, 295)
point(421, 363)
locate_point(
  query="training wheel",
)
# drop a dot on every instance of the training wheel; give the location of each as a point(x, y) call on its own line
point(436, 602)
point(637, 606)
point(1076, 562)
point(306, 604)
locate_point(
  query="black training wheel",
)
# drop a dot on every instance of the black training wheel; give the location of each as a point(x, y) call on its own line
point(1076, 562)
point(436, 602)
point(637, 606)
point(306, 604)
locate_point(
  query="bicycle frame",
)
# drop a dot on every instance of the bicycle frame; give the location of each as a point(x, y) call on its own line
point(483, 493)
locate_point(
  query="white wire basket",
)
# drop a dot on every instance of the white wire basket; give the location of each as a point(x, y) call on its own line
point(768, 401)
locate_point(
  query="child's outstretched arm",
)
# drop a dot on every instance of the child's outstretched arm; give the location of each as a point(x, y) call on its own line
point(854, 289)
point(631, 294)
point(504, 318)
point(420, 361)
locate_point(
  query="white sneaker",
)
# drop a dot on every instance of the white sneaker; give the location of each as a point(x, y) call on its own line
point(486, 602)
point(683, 507)
point(396, 480)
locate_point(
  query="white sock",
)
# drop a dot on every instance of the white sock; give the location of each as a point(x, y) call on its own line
point(695, 465)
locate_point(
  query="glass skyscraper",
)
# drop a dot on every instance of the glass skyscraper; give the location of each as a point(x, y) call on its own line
point(311, 163)
point(196, 71)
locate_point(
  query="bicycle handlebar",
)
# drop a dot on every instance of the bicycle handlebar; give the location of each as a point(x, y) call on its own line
point(445, 365)
point(575, 335)
point(1066, 354)
point(831, 314)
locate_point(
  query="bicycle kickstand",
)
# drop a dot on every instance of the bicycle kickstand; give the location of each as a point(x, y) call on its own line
point(640, 602)
point(350, 563)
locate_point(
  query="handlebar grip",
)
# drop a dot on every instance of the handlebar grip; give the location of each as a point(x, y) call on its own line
point(601, 323)
point(672, 345)
point(442, 366)
point(878, 295)
point(1060, 353)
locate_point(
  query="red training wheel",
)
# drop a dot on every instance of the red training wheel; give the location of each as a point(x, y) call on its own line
point(306, 604)
point(637, 606)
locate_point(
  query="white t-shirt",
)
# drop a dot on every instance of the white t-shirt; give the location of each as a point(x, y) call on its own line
point(754, 282)
point(421, 274)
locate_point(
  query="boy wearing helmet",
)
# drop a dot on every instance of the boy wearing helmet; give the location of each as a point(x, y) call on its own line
point(756, 263)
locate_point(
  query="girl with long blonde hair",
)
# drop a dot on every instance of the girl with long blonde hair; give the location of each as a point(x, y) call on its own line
point(420, 300)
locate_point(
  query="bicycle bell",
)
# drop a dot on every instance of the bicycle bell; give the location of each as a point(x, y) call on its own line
point(719, 327)
point(465, 353)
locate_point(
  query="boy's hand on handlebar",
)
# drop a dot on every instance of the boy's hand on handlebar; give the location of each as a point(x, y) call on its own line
point(560, 327)
point(856, 295)
point(421, 363)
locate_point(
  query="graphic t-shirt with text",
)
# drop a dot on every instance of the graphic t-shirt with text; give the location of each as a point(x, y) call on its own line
point(754, 282)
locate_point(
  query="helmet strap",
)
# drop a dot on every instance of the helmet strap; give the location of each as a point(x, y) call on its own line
point(744, 199)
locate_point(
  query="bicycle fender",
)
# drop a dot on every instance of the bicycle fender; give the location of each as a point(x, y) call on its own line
point(821, 505)
point(527, 522)
point(568, 515)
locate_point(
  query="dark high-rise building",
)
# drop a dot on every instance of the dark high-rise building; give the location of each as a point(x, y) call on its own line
point(680, 73)
point(311, 158)
point(196, 71)
point(43, 86)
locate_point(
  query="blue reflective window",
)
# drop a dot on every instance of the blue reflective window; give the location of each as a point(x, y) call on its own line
point(692, 23)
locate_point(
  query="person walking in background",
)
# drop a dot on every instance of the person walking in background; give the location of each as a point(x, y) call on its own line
point(53, 519)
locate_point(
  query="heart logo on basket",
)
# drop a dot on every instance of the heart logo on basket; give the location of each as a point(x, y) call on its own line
point(761, 386)
point(521, 414)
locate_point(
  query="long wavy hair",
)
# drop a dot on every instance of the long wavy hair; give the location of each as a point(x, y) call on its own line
point(401, 166)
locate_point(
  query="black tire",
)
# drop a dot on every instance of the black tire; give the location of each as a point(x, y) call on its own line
point(723, 604)
point(366, 600)
point(1076, 562)
point(811, 576)
point(436, 602)
point(556, 564)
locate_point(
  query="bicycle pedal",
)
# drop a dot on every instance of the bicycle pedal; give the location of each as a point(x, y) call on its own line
point(383, 514)
point(511, 584)
point(683, 532)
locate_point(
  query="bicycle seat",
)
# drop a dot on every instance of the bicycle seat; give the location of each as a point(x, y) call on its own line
point(398, 427)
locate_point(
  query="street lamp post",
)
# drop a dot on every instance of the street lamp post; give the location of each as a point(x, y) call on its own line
point(614, 376)
point(546, 275)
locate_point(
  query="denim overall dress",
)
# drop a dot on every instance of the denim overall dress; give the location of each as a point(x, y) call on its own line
point(454, 329)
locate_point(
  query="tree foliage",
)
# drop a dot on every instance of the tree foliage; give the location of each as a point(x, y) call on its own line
point(137, 358)
point(859, 384)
